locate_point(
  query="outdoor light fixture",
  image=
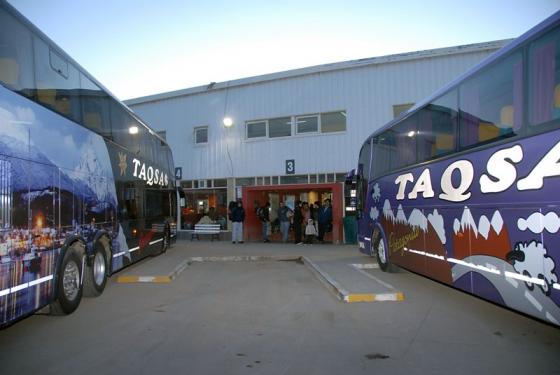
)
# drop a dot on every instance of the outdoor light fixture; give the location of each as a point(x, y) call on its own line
point(133, 130)
point(411, 133)
point(228, 122)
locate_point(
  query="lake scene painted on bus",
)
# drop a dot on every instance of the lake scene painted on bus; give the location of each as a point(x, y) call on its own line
point(487, 223)
point(55, 181)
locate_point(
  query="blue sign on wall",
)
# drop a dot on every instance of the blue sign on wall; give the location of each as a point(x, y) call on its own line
point(290, 166)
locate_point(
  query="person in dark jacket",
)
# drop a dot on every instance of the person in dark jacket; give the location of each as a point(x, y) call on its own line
point(298, 221)
point(264, 216)
point(237, 218)
point(324, 219)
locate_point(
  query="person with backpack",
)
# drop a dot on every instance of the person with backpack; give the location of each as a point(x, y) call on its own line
point(263, 214)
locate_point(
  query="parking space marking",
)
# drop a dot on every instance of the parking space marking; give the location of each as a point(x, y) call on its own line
point(144, 279)
point(331, 284)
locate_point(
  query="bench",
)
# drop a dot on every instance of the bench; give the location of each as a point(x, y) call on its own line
point(212, 229)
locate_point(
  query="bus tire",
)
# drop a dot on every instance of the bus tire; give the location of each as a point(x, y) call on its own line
point(379, 247)
point(95, 277)
point(69, 288)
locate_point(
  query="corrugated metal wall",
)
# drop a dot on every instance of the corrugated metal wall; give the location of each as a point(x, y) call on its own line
point(366, 93)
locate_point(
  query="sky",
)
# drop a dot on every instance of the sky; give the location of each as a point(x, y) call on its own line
point(138, 48)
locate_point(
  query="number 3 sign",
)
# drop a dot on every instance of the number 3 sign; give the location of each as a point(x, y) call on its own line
point(290, 166)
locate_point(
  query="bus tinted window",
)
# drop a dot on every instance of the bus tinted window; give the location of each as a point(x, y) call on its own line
point(58, 81)
point(491, 103)
point(126, 131)
point(364, 161)
point(436, 127)
point(16, 55)
point(544, 79)
point(95, 107)
point(405, 142)
point(383, 152)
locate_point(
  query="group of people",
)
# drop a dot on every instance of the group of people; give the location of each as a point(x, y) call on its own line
point(306, 219)
point(310, 220)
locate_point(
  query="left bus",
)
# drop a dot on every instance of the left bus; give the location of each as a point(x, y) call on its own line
point(86, 188)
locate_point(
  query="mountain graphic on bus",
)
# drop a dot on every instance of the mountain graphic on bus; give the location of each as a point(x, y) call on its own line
point(488, 237)
point(413, 237)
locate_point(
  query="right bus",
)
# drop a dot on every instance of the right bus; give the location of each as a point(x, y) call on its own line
point(464, 188)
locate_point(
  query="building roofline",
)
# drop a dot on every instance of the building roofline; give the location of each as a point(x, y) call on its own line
point(352, 64)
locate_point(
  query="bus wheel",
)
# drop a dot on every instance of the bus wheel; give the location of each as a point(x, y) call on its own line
point(95, 277)
point(166, 239)
point(69, 289)
point(381, 252)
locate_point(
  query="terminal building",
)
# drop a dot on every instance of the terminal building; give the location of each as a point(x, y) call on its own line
point(292, 135)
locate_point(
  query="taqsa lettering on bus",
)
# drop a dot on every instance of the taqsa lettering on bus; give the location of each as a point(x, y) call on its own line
point(501, 174)
point(151, 175)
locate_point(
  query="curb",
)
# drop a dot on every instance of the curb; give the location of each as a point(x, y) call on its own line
point(345, 296)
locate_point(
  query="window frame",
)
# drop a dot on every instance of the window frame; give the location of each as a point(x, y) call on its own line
point(196, 129)
point(316, 131)
point(252, 122)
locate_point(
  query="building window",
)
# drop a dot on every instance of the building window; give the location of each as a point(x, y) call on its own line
point(307, 124)
point(245, 181)
point(333, 122)
point(220, 183)
point(398, 109)
point(256, 129)
point(201, 135)
point(294, 179)
point(280, 127)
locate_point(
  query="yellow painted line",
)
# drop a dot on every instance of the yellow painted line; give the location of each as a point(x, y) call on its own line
point(369, 297)
point(351, 298)
point(144, 279)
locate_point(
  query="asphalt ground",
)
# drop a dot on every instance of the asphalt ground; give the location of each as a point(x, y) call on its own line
point(262, 315)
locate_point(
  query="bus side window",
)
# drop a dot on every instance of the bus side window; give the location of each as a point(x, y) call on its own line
point(436, 127)
point(16, 55)
point(383, 152)
point(95, 107)
point(58, 81)
point(544, 79)
point(491, 103)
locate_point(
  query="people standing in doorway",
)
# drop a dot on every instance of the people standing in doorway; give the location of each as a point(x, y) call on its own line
point(237, 218)
point(325, 219)
point(298, 221)
point(264, 216)
point(284, 216)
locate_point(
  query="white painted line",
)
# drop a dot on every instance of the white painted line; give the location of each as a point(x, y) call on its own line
point(19, 287)
point(23, 286)
point(551, 318)
point(386, 285)
point(532, 299)
point(41, 280)
point(364, 266)
point(527, 279)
